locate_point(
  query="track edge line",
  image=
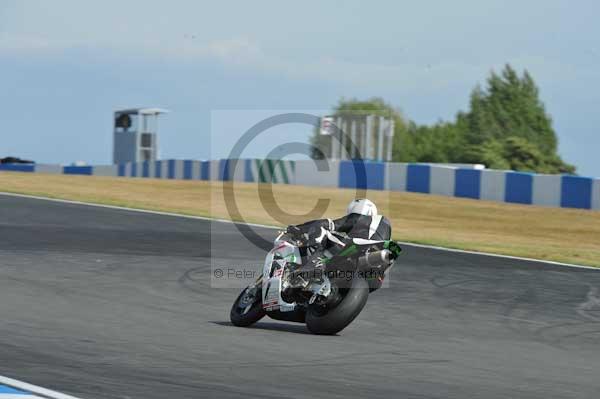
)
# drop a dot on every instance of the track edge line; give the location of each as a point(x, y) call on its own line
point(34, 389)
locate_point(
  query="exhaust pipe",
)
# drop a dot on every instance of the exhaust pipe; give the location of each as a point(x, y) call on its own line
point(375, 259)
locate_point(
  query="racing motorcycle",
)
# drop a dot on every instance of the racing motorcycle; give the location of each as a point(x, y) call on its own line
point(322, 279)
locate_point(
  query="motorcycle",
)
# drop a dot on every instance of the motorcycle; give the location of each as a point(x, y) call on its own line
point(322, 279)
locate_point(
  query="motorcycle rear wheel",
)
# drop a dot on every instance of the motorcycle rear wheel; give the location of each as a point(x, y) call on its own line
point(244, 313)
point(336, 319)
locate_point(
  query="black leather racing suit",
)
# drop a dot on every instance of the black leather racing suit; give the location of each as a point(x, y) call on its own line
point(355, 226)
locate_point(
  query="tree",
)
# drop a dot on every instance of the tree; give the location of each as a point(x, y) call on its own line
point(438, 143)
point(515, 153)
point(506, 127)
point(509, 116)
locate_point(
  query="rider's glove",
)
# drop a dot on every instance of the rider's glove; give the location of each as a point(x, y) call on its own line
point(293, 230)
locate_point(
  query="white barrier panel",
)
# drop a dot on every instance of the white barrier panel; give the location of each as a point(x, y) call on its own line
point(441, 180)
point(237, 168)
point(546, 190)
point(105, 170)
point(164, 169)
point(395, 177)
point(151, 170)
point(596, 194)
point(493, 183)
point(196, 170)
point(136, 169)
point(47, 168)
point(253, 171)
point(214, 170)
point(179, 169)
point(130, 169)
point(308, 174)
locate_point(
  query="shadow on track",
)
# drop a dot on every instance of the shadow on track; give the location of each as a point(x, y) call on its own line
point(291, 328)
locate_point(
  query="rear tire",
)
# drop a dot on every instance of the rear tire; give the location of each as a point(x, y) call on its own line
point(245, 314)
point(338, 318)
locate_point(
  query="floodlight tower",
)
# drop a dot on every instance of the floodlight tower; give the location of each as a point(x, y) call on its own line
point(135, 134)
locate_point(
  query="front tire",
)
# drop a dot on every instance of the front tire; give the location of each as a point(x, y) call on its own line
point(247, 308)
point(338, 318)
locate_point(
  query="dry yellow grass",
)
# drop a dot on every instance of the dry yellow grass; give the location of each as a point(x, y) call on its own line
point(562, 235)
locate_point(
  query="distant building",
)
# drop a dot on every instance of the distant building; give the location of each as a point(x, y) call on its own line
point(135, 134)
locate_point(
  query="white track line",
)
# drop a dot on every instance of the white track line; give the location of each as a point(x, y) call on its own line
point(464, 251)
point(434, 247)
point(34, 389)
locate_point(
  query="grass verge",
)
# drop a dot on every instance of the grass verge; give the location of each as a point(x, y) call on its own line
point(562, 235)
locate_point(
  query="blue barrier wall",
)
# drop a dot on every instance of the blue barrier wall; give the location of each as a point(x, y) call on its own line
point(171, 169)
point(365, 175)
point(248, 175)
point(17, 167)
point(187, 169)
point(205, 170)
point(418, 178)
point(77, 170)
point(146, 169)
point(519, 187)
point(576, 192)
point(224, 170)
point(504, 186)
point(467, 183)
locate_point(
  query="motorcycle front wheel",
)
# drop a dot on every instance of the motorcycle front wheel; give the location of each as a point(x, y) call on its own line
point(334, 320)
point(247, 308)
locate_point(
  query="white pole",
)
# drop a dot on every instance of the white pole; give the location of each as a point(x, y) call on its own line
point(367, 137)
point(138, 136)
point(344, 127)
point(390, 140)
point(363, 142)
point(337, 137)
point(380, 133)
point(354, 143)
point(155, 141)
point(333, 140)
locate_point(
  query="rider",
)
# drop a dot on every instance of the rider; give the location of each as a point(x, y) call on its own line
point(361, 221)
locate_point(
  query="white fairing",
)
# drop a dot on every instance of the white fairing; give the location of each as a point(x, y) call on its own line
point(362, 241)
point(276, 259)
point(375, 222)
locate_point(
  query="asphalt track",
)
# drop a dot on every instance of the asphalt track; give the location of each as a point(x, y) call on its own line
point(104, 303)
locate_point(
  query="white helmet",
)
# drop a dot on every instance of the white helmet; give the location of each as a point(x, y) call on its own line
point(362, 207)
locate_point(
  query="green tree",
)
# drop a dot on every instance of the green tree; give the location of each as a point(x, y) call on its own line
point(509, 117)
point(438, 143)
point(515, 153)
point(506, 127)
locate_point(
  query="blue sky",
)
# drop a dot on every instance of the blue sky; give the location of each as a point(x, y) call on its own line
point(66, 65)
